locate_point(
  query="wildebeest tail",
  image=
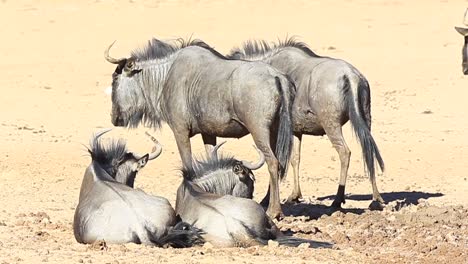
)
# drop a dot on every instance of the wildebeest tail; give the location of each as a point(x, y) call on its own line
point(291, 241)
point(284, 140)
point(358, 100)
point(182, 235)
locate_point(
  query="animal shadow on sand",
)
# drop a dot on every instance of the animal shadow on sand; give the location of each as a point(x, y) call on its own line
point(315, 211)
point(408, 198)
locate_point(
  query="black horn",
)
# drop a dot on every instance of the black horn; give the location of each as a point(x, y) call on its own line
point(109, 58)
point(255, 166)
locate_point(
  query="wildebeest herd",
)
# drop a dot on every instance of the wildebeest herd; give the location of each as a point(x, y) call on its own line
point(276, 92)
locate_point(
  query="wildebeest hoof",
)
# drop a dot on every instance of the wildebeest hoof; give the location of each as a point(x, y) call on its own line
point(277, 214)
point(337, 204)
point(376, 206)
point(293, 199)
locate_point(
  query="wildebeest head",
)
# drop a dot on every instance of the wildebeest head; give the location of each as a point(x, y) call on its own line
point(127, 94)
point(119, 163)
point(225, 175)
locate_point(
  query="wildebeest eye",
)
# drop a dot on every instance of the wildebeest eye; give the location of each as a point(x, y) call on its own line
point(238, 168)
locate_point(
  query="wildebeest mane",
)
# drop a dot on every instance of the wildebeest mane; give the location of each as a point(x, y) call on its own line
point(107, 153)
point(259, 48)
point(203, 166)
point(157, 49)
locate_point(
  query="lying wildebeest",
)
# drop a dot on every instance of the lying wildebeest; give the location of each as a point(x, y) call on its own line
point(215, 197)
point(329, 92)
point(463, 30)
point(196, 90)
point(110, 209)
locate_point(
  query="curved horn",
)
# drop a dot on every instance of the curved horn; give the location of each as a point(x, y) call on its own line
point(157, 149)
point(214, 152)
point(102, 132)
point(109, 58)
point(257, 165)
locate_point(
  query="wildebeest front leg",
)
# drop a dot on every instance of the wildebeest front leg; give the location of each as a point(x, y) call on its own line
point(210, 143)
point(296, 194)
point(185, 149)
point(335, 135)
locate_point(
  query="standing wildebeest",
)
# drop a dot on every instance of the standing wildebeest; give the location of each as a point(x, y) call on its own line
point(110, 209)
point(463, 30)
point(196, 90)
point(329, 92)
point(215, 197)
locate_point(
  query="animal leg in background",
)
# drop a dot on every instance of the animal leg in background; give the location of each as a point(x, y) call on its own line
point(183, 144)
point(335, 135)
point(210, 143)
point(296, 194)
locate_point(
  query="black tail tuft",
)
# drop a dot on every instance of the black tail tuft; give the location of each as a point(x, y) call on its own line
point(359, 115)
point(285, 128)
point(182, 235)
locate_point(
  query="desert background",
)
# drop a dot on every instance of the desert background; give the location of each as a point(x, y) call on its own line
point(52, 100)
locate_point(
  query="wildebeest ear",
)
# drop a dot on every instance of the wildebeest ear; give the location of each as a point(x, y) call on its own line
point(90, 153)
point(142, 161)
point(238, 169)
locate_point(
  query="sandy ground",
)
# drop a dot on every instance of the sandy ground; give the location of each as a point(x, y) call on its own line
point(52, 100)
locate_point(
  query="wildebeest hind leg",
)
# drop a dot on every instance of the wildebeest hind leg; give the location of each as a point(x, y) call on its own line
point(262, 141)
point(335, 135)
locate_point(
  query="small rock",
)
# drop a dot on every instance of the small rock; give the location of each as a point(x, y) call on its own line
point(304, 245)
point(273, 244)
point(208, 245)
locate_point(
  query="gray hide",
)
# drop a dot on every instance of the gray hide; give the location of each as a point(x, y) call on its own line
point(227, 218)
point(110, 210)
point(196, 90)
point(329, 92)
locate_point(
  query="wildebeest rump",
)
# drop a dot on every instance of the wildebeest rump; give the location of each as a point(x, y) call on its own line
point(110, 209)
point(329, 92)
point(196, 90)
point(214, 198)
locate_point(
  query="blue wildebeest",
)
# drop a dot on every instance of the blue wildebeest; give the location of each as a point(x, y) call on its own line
point(329, 92)
point(214, 196)
point(463, 30)
point(110, 209)
point(196, 90)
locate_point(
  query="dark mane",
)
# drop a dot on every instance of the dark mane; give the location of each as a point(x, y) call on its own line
point(203, 166)
point(107, 153)
point(157, 49)
point(253, 48)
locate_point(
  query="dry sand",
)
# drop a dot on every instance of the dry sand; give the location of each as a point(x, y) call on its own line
point(52, 100)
